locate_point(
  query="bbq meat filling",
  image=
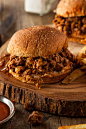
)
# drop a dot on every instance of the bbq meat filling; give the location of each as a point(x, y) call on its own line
point(58, 62)
point(71, 25)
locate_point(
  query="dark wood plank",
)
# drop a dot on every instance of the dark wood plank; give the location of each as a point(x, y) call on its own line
point(19, 120)
point(22, 18)
point(72, 121)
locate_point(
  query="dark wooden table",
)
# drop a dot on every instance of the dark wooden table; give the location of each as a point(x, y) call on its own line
point(22, 20)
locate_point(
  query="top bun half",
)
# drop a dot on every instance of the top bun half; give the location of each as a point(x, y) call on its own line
point(71, 8)
point(37, 41)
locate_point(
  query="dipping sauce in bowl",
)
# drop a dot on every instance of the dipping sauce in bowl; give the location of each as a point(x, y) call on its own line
point(4, 111)
point(7, 109)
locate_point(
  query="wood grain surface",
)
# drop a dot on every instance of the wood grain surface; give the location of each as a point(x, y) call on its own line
point(22, 20)
point(55, 98)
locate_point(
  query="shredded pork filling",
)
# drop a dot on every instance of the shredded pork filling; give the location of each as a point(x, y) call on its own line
point(71, 25)
point(41, 65)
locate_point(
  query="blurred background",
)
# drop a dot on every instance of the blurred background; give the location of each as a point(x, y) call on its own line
point(26, 13)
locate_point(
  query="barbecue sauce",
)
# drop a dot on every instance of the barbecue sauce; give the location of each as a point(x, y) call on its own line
point(4, 111)
point(3, 61)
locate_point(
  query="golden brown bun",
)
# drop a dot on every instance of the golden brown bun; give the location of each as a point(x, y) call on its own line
point(71, 8)
point(37, 41)
point(82, 56)
point(75, 38)
point(46, 78)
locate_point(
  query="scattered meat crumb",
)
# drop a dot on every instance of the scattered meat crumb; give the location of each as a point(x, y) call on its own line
point(35, 118)
point(38, 85)
point(27, 107)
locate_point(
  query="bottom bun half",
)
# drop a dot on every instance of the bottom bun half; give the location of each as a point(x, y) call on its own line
point(41, 79)
point(77, 39)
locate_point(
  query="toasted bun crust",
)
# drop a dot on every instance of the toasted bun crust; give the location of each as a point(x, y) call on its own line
point(71, 8)
point(37, 41)
point(46, 78)
point(75, 38)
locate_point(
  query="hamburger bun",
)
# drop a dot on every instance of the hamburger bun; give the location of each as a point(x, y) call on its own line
point(40, 45)
point(71, 8)
point(43, 79)
point(77, 39)
point(37, 41)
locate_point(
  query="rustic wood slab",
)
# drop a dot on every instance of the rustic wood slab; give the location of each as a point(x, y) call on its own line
point(56, 98)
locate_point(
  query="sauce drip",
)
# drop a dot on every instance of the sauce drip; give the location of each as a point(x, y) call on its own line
point(3, 60)
point(4, 111)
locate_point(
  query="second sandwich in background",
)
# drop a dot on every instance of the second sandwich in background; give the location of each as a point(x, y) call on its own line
point(71, 19)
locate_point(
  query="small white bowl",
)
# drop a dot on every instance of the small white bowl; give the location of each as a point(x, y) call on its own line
point(10, 105)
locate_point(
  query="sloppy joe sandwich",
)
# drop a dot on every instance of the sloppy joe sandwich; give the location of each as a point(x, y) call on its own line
point(71, 19)
point(39, 54)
